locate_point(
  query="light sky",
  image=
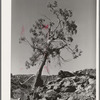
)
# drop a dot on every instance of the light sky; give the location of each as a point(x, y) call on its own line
point(26, 12)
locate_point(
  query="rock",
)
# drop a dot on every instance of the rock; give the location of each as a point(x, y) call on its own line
point(88, 87)
point(58, 85)
point(68, 82)
point(58, 96)
point(58, 79)
point(79, 89)
point(41, 95)
point(51, 95)
point(63, 89)
point(68, 89)
point(71, 89)
point(70, 98)
point(83, 81)
point(43, 99)
point(92, 76)
point(91, 81)
point(50, 82)
point(80, 85)
point(57, 88)
point(79, 73)
point(60, 99)
point(51, 86)
point(89, 72)
point(63, 74)
point(44, 88)
point(65, 84)
point(76, 79)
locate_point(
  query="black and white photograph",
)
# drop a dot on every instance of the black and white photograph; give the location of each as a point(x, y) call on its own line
point(53, 50)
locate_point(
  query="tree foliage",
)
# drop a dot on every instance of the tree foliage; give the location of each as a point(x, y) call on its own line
point(50, 38)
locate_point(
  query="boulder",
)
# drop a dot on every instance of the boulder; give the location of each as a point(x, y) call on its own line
point(63, 74)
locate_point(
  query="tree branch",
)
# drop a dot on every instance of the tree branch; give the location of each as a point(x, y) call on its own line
point(34, 46)
point(68, 47)
point(64, 59)
point(54, 32)
point(62, 46)
point(57, 25)
point(55, 49)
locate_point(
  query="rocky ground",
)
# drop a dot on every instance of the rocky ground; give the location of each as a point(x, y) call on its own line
point(78, 85)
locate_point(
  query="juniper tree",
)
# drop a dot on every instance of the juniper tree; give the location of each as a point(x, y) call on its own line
point(48, 39)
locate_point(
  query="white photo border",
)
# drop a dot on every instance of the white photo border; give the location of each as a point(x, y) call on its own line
point(6, 49)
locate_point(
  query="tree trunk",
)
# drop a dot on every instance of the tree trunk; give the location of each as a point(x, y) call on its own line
point(38, 80)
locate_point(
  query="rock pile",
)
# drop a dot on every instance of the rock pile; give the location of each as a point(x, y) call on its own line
point(79, 85)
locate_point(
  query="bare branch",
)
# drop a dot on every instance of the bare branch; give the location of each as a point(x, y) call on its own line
point(28, 42)
point(65, 60)
point(57, 25)
point(68, 47)
point(62, 46)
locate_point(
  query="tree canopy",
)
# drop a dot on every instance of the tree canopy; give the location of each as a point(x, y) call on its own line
point(49, 38)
